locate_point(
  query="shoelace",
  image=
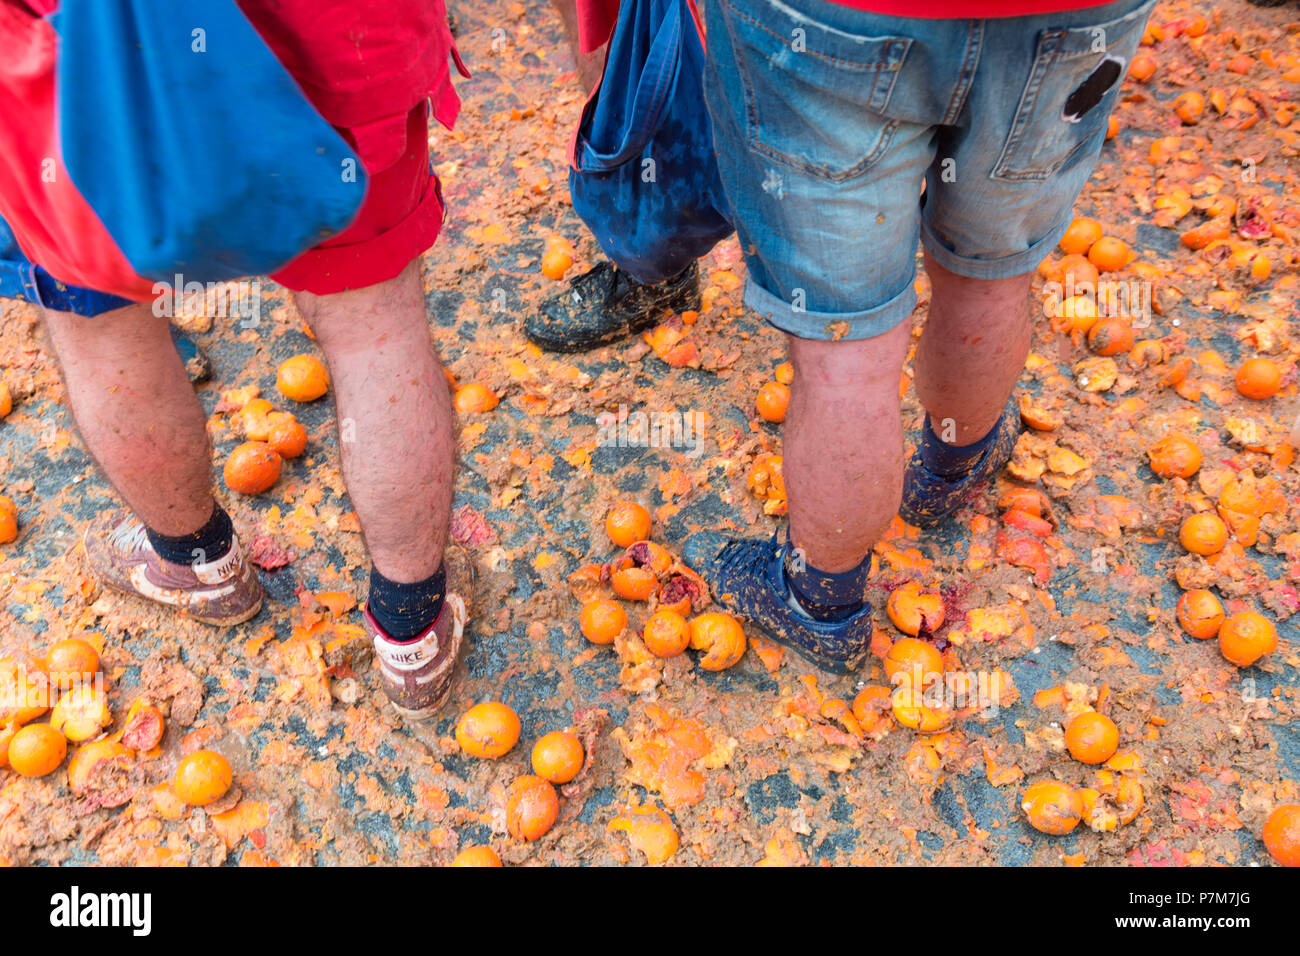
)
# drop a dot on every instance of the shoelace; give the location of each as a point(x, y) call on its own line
point(129, 536)
point(747, 554)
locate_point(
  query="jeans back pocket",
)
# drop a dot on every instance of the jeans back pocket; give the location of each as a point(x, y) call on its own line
point(1076, 76)
point(815, 96)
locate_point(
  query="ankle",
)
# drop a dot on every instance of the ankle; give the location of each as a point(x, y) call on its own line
point(212, 542)
point(405, 610)
point(942, 457)
point(827, 596)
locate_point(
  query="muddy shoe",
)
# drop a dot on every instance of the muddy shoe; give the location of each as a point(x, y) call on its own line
point(416, 674)
point(748, 578)
point(929, 498)
point(220, 592)
point(605, 304)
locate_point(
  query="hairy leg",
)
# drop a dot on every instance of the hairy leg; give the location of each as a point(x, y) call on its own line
point(972, 350)
point(394, 416)
point(844, 446)
point(137, 413)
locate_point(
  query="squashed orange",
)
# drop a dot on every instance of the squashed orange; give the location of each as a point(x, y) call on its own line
point(531, 807)
point(1052, 807)
point(1200, 613)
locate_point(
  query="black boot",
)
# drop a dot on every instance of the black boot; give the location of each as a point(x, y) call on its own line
point(605, 304)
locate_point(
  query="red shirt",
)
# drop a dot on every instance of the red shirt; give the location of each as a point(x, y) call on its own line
point(364, 64)
point(596, 18)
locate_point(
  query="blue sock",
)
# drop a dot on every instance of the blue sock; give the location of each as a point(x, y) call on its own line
point(825, 596)
point(210, 543)
point(952, 461)
point(405, 611)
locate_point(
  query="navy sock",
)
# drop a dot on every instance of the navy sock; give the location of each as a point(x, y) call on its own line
point(405, 611)
point(952, 461)
point(210, 543)
point(825, 596)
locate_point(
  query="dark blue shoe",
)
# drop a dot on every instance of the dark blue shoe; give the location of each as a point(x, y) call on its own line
point(748, 578)
point(929, 498)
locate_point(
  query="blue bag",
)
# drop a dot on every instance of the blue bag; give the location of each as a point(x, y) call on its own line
point(192, 143)
point(643, 175)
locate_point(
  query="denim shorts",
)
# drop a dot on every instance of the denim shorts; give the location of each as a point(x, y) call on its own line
point(828, 119)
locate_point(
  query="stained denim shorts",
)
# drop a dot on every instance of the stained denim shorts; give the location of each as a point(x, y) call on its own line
point(828, 119)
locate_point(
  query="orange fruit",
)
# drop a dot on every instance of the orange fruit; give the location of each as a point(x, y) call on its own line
point(487, 730)
point(1282, 834)
point(36, 750)
point(1141, 67)
point(602, 620)
point(1110, 336)
point(531, 807)
point(558, 756)
point(255, 419)
point(1077, 313)
point(556, 263)
point(477, 856)
point(1175, 457)
point(1080, 236)
point(6, 401)
point(302, 378)
point(627, 523)
point(25, 691)
point(287, 436)
point(252, 467)
point(1052, 807)
point(911, 710)
point(143, 727)
point(1078, 275)
point(1091, 737)
point(910, 610)
point(202, 777)
point(1109, 254)
point(871, 707)
point(8, 520)
point(1112, 126)
point(7, 732)
point(1259, 378)
point(89, 756)
point(81, 713)
point(1203, 533)
point(773, 400)
point(784, 373)
point(720, 636)
point(909, 657)
point(666, 634)
point(1189, 107)
point(473, 399)
point(1200, 613)
point(1246, 637)
point(71, 661)
point(634, 583)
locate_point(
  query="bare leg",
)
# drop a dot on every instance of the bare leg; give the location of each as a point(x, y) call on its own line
point(972, 350)
point(590, 65)
point(844, 446)
point(137, 413)
point(394, 414)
